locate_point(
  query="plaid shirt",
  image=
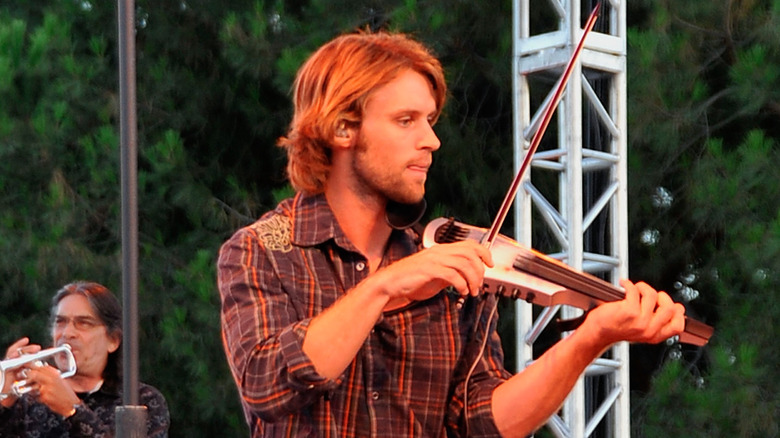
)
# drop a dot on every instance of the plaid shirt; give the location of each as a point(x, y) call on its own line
point(408, 378)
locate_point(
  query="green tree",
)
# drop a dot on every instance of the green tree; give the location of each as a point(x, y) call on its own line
point(703, 99)
point(60, 194)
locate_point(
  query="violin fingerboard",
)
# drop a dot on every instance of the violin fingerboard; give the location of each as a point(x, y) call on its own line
point(557, 272)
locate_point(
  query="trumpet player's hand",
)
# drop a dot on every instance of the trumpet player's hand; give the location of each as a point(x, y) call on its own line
point(49, 388)
point(14, 351)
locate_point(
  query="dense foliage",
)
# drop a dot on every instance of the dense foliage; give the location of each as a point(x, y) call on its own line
point(703, 119)
point(213, 96)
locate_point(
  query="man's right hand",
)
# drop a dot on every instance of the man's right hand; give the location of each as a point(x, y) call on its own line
point(423, 274)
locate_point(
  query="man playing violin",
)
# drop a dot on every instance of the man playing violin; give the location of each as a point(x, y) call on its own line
point(87, 317)
point(336, 323)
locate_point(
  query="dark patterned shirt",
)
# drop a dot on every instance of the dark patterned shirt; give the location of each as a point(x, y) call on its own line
point(29, 418)
point(408, 378)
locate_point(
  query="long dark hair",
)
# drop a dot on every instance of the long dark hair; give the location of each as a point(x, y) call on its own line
point(107, 308)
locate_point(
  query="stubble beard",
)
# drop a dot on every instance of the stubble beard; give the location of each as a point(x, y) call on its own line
point(374, 181)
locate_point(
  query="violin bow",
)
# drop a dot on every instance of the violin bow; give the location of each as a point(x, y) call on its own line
point(493, 231)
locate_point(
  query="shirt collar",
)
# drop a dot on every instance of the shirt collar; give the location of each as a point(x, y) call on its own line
point(313, 222)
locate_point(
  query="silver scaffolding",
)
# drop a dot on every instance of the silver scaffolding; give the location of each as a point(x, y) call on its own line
point(583, 219)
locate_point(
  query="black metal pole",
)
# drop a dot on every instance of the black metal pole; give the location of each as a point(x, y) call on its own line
point(130, 418)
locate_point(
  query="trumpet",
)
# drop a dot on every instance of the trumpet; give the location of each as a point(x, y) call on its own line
point(36, 359)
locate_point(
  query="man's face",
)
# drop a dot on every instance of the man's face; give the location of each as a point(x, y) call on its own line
point(396, 140)
point(75, 323)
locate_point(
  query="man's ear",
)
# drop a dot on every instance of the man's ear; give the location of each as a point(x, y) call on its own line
point(343, 135)
point(114, 341)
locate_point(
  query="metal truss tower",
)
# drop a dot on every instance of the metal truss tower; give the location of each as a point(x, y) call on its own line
point(573, 202)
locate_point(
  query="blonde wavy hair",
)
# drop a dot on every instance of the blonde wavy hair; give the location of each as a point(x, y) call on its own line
point(331, 90)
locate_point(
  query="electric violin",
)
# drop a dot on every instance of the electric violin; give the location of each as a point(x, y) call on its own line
point(523, 273)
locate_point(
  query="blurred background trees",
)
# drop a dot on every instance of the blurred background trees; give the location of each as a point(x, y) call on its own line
point(704, 125)
point(213, 96)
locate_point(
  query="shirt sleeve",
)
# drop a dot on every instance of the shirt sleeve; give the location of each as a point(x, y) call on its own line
point(30, 418)
point(96, 418)
point(87, 423)
point(262, 331)
point(11, 421)
point(158, 419)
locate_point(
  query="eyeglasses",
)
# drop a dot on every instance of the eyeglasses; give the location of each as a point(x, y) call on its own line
point(80, 323)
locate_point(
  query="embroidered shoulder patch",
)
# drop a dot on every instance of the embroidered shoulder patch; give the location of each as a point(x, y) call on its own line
point(274, 232)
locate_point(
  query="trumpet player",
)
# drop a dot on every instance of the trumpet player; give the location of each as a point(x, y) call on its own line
point(87, 317)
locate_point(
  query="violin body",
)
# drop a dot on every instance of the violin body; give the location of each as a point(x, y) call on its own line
point(522, 273)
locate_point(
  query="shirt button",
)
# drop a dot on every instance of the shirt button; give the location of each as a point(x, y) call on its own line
point(360, 266)
point(375, 395)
